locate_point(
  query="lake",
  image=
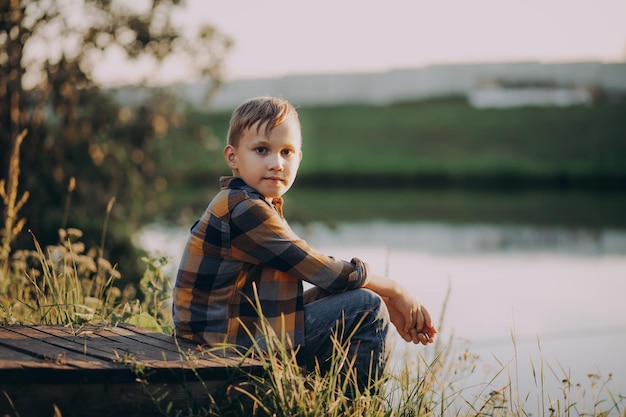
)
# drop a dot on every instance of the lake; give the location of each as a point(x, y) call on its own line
point(558, 292)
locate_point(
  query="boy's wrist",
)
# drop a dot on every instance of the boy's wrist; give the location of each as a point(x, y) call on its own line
point(383, 286)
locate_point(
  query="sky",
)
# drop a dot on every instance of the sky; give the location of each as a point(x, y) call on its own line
point(281, 37)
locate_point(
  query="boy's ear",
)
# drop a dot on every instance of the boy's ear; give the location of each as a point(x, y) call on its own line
point(230, 156)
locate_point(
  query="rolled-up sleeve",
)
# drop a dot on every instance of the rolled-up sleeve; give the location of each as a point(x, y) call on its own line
point(259, 235)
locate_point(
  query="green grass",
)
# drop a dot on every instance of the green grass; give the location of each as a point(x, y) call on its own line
point(443, 139)
point(451, 137)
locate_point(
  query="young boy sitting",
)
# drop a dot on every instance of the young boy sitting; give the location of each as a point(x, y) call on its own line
point(243, 249)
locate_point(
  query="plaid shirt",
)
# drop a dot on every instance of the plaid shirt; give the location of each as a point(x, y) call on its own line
point(242, 242)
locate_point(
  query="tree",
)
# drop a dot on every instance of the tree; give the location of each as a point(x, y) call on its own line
point(82, 147)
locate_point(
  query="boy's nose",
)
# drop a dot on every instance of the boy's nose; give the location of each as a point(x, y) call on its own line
point(276, 162)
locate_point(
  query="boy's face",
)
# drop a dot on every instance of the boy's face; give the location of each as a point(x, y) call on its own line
point(267, 164)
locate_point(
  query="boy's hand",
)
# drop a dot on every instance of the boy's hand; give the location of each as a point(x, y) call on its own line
point(412, 320)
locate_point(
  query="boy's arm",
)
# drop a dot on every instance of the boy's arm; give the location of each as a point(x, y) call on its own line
point(411, 319)
point(259, 236)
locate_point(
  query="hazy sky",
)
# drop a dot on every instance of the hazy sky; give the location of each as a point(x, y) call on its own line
point(278, 37)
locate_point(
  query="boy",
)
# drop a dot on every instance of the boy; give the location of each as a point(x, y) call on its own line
point(242, 245)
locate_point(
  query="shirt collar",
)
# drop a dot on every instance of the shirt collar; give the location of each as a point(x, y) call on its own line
point(236, 183)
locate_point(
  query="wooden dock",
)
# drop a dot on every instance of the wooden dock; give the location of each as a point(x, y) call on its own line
point(104, 371)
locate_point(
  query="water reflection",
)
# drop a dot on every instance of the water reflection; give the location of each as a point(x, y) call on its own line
point(558, 292)
point(442, 238)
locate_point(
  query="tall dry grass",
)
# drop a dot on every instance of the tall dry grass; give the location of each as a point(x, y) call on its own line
point(68, 283)
point(13, 225)
point(439, 380)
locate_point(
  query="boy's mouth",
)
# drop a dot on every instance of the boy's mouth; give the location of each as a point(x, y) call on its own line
point(274, 179)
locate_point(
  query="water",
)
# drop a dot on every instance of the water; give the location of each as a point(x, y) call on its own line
point(558, 293)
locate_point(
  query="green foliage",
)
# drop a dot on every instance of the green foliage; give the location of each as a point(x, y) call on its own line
point(156, 289)
point(69, 284)
point(83, 147)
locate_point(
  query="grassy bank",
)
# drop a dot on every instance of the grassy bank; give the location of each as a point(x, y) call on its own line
point(438, 142)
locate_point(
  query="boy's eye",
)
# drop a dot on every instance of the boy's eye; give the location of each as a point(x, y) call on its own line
point(286, 152)
point(261, 149)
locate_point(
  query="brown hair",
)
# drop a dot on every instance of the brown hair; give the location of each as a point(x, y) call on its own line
point(259, 110)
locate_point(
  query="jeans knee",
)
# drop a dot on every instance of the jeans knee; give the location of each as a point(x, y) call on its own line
point(374, 304)
point(374, 323)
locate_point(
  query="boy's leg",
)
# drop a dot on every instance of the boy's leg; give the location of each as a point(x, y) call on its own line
point(361, 312)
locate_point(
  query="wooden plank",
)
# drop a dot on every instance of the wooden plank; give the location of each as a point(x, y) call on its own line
point(160, 337)
point(143, 344)
point(10, 364)
point(46, 347)
point(7, 354)
point(47, 359)
point(152, 340)
point(82, 370)
point(190, 352)
point(103, 345)
point(108, 348)
point(103, 342)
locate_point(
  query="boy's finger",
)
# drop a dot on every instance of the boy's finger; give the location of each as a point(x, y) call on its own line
point(405, 336)
point(420, 321)
point(409, 323)
point(426, 338)
point(428, 321)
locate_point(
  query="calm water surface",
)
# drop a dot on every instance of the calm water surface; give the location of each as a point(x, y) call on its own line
point(559, 293)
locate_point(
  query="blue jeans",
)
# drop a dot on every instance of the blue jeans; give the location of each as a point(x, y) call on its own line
point(361, 312)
